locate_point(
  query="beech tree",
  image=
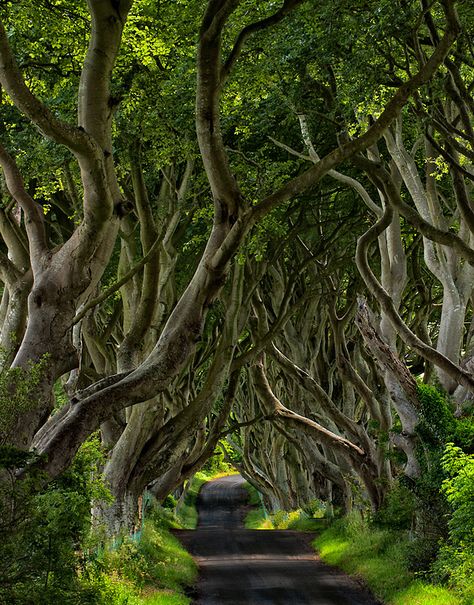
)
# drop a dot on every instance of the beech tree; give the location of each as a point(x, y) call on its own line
point(148, 366)
point(400, 402)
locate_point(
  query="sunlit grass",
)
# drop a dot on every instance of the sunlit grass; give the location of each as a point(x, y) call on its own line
point(419, 593)
point(298, 520)
point(186, 512)
point(379, 558)
point(256, 519)
point(170, 565)
point(162, 597)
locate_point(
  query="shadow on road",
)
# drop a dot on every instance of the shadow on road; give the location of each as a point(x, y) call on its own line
point(253, 567)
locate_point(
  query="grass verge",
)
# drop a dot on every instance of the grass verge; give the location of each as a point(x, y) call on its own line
point(186, 512)
point(296, 520)
point(378, 556)
point(300, 520)
point(156, 570)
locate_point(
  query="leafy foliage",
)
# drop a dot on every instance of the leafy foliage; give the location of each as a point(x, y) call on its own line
point(43, 530)
point(438, 422)
point(17, 396)
point(456, 559)
point(398, 509)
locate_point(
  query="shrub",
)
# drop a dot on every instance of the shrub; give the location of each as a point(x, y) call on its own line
point(43, 530)
point(398, 510)
point(438, 422)
point(455, 563)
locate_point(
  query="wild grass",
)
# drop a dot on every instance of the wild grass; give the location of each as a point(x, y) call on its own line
point(299, 520)
point(379, 557)
point(254, 496)
point(152, 571)
point(296, 520)
point(186, 512)
point(165, 598)
point(257, 519)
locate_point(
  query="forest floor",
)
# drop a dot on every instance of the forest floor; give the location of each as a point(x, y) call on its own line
point(239, 566)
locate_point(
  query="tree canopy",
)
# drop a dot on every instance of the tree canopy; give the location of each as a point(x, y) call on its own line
point(240, 221)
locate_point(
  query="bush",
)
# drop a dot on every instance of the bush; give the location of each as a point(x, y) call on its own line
point(438, 422)
point(398, 510)
point(459, 490)
point(455, 567)
point(455, 564)
point(437, 425)
point(315, 509)
point(43, 530)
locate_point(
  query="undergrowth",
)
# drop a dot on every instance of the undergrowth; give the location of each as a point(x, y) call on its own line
point(311, 519)
point(49, 552)
point(152, 571)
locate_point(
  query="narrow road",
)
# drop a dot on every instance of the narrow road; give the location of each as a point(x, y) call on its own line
point(239, 566)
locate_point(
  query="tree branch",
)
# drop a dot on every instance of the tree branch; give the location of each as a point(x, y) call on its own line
point(118, 284)
point(280, 411)
point(33, 212)
point(243, 36)
point(388, 307)
point(393, 108)
point(383, 181)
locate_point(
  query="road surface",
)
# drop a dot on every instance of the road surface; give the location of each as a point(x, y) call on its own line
point(239, 566)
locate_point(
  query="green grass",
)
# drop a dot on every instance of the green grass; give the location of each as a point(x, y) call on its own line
point(165, 598)
point(186, 512)
point(378, 556)
point(420, 593)
point(114, 591)
point(305, 523)
point(254, 496)
point(256, 519)
point(298, 520)
point(152, 571)
point(295, 520)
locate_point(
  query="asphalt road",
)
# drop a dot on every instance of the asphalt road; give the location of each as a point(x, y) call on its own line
point(254, 567)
